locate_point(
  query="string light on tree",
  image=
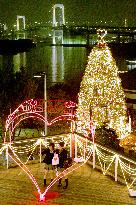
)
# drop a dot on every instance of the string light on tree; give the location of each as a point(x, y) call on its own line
point(101, 98)
point(101, 34)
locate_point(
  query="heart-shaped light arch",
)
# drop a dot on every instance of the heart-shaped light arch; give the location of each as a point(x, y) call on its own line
point(33, 114)
point(17, 160)
point(33, 109)
point(67, 117)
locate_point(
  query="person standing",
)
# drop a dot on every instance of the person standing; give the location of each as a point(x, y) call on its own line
point(49, 168)
point(63, 155)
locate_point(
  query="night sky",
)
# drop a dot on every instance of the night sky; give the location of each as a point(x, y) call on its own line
point(79, 11)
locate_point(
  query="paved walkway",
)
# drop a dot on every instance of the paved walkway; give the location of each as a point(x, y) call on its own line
point(86, 187)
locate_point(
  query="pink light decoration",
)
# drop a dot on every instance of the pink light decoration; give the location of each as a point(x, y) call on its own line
point(41, 117)
point(66, 172)
point(70, 104)
point(32, 108)
point(62, 117)
point(93, 130)
point(24, 168)
point(29, 105)
point(42, 197)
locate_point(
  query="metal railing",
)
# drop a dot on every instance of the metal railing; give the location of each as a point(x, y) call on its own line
point(109, 162)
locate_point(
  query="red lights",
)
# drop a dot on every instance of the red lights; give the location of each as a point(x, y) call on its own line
point(35, 109)
point(70, 104)
point(44, 195)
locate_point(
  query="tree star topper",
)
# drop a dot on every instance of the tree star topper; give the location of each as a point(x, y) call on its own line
point(101, 34)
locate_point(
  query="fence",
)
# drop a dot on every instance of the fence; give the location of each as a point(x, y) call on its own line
point(99, 157)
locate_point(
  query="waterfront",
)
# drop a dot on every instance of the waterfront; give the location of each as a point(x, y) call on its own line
point(61, 64)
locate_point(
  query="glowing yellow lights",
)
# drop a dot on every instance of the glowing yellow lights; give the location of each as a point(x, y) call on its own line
point(101, 98)
point(107, 160)
point(101, 34)
point(39, 141)
point(129, 142)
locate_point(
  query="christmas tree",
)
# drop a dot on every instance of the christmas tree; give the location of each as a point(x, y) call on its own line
point(101, 99)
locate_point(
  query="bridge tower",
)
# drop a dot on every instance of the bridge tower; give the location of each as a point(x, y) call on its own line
point(18, 27)
point(57, 52)
point(59, 16)
point(125, 23)
point(23, 19)
point(58, 21)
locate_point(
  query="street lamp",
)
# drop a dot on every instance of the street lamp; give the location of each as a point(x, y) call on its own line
point(45, 101)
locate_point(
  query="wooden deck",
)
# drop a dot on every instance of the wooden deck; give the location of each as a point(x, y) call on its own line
point(86, 187)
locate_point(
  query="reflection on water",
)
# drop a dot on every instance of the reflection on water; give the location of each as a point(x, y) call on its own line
point(61, 64)
point(57, 37)
point(131, 64)
point(57, 64)
point(19, 61)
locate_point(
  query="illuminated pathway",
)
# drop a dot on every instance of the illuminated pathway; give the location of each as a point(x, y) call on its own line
point(86, 187)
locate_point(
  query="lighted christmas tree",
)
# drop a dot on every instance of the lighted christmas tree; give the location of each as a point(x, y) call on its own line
point(101, 99)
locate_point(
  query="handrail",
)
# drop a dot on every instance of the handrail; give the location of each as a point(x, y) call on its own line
point(110, 162)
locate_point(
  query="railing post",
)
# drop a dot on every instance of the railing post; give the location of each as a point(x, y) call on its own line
point(116, 168)
point(84, 150)
point(40, 151)
point(86, 142)
point(72, 140)
point(85, 147)
point(7, 157)
point(104, 166)
point(94, 146)
point(75, 146)
point(45, 106)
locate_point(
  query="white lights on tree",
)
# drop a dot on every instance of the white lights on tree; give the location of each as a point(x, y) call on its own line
point(101, 97)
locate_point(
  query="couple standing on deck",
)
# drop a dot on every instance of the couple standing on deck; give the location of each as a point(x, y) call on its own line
point(52, 156)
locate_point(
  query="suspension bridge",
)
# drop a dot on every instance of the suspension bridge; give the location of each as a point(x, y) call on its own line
point(59, 32)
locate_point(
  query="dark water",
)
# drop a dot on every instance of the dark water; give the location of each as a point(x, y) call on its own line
point(61, 64)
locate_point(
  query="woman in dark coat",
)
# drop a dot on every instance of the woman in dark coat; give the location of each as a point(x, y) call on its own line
point(63, 155)
point(49, 168)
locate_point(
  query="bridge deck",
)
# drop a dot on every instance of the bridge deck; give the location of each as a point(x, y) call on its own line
point(86, 187)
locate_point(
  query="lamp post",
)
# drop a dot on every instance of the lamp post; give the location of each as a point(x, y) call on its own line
point(45, 105)
point(45, 101)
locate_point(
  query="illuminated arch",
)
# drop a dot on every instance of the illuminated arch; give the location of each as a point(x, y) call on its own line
point(35, 109)
point(42, 193)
